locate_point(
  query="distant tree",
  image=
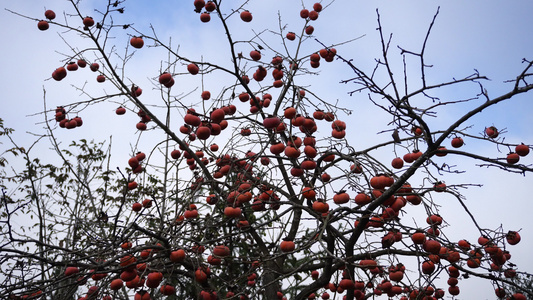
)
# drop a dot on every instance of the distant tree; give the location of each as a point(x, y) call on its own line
point(524, 283)
point(282, 206)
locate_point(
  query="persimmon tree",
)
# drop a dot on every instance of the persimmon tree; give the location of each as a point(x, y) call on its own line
point(252, 190)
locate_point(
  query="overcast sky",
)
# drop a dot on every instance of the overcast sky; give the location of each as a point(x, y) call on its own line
point(489, 36)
